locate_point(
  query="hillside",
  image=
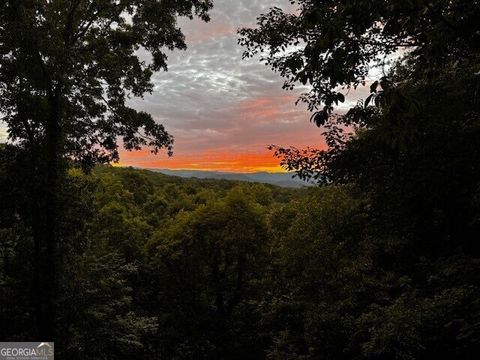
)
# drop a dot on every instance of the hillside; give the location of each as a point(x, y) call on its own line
point(279, 179)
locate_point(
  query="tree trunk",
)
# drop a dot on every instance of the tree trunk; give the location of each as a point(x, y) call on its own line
point(49, 237)
point(36, 224)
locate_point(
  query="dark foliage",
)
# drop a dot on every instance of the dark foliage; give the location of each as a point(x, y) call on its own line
point(67, 69)
point(382, 262)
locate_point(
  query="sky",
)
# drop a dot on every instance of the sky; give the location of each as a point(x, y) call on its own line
point(223, 111)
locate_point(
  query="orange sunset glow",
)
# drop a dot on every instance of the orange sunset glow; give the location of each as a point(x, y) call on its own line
point(207, 160)
point(223, 111)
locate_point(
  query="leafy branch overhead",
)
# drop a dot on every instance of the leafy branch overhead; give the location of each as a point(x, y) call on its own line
point(330, 46)
point(84, 59)
point(428, 53)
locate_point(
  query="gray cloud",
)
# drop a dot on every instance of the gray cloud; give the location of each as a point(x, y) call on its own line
point(212, 99)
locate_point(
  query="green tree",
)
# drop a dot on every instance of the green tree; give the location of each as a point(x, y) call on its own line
point(414, 141)
point(411, 148)
point(207, 265)
point(324, 275)
point(106, 310)
point(66, 70)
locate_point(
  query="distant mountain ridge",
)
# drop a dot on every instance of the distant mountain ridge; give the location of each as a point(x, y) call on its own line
point(279, 179)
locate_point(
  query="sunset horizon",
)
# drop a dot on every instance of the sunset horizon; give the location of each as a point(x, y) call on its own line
point(234, 162)
point(223, 111)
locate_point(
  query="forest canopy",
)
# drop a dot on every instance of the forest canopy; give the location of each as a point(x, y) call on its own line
point(380, 261)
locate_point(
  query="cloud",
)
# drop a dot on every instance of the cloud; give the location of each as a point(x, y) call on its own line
point(3, 132)
point(213, 102)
